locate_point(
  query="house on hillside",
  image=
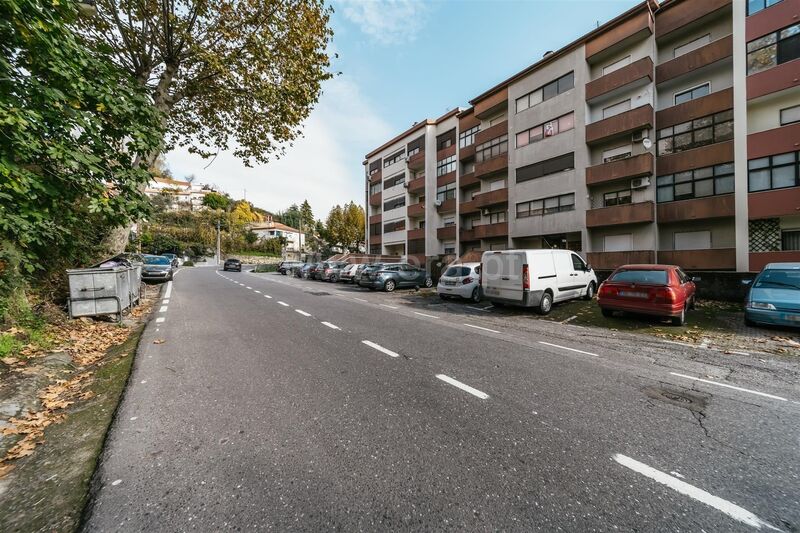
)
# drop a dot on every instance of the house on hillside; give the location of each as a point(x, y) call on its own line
point(184, 194)
point(269, 229)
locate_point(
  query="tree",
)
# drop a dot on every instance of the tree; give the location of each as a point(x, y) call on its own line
point(334, 226)
point(74, 127)
point(345, 226)
point(306, 215)
point(227, 74)
point(215, 200)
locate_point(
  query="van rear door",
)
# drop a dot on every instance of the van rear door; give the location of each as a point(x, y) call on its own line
point(502, 275)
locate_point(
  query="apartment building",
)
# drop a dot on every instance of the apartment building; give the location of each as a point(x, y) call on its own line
point(670, 134)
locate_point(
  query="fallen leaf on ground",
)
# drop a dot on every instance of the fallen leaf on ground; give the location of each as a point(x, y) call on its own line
point(159, 341)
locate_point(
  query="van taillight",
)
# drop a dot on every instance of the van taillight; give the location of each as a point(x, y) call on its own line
point(526, 279)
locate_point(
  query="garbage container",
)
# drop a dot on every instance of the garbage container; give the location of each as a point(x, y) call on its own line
point(100, 291)
point(135, 282)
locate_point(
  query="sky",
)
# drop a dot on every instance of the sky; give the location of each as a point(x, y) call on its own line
point(401, 61)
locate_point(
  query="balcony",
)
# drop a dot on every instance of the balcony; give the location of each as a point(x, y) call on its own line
point(615, 215)
point(759, 260)
point(416, 186)
point(612, 260)
point(375, 239)
point(636, 74)
point(375, 199)
point(631, 167)
point(773, 204)
point(491, 133)
point(700, 107)
point(773, 79)
point(697, 209)
point(446, 233)
point(417, 161)
point(416, 210)
point(467, 208)
point(775, 141)
point(376, 178)
point(444, 179)
point(489, 104)
point(418, 233)
point(679, 14)
point(703, 156)
point(484, 231)
point(467, 152)
point(492, 166)
point(619, 36)
point(374, 219)
point(627, 122)
point(713, 259)
point(695, 60)
point(485, 199)
point(448, 206)
point(468, 180)
point(446, 152)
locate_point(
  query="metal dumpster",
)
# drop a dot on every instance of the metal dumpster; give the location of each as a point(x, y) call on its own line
point(101, 291)
point(135, 282)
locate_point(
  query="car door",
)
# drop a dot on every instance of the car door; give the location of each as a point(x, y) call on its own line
point(686, 284)
point(568, 281)
point(406, 275)
point(582, 274)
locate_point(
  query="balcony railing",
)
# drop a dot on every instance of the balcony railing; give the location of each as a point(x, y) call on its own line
point(637, 213)
point(418, 233)
point(417, 161)
point(499, 196)
point(468, 207)
point(446, 233)
point(417, 185)
point(416, 210)
point(375, 199)
point(775, 203)
point(374, 219)
point(697, 208)
point(612, 260)
point(447, 206)
point(631, 167)
point(468, 180)
point(713, 259)
point(639, 71)
point(485, 231)
point(491, 166)
point(627, 122)
point(696, 59)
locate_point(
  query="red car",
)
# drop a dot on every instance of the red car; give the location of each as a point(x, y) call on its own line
point(659, 290)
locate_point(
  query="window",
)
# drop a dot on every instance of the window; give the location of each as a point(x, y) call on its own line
point(617, 198)
point(496, 185)
point(692, 45)
point(692, 240)
point(375, 229)
point(790, 115)
point(446, 140)
point(394, 158)
point(551, 90)
point(773, 49)
point(375, 188)
point(375, 249)
point(616, 65)
point(577, 263)
point(374, 167)
point(696, 133)
point(697, 183)
point(449, 247)
point(615, 154)
point(754, 6)
point(790, 239)
point(415, 146)
point(413, 151)
point(397, 225)
point(546, 167)
point(691, 94)
point(467, 137)
point(546, 206)
point(446, 192)
point(446, 165)
point(641, 276)
point(490, 149)
point(449, 221)
point(548, 129)
point(617, 108)
point(445, 143)
point(394, 180)
point(618, 243)
point(468, 168)
point(471, 222)
point(497, 119)
point(497, 217)
point(774, 172)
point(394, 203)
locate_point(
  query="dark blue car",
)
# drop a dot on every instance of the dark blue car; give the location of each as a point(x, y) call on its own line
point(774, 296)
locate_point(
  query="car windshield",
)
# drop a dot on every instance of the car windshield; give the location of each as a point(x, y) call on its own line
point(649, 277)
point(457, 271)
point(785, 279)
point(156, 260)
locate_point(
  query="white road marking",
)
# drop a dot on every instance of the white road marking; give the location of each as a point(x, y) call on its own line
point(165, 301)
point(283, 304)
point(423, 314)
point(730, 387)
point(570, 349)
point(389, 306)
point(462, 386)
point(268, 296)
point(169, 290)
point(738, 352)
point(163, 309)
point(332, 326)
point(484, 329)
point(302, 312)
point(676, 474)
point(734, 511)
point(134, 418)
point(116, 482)
point(381, 348)
point(360, 299)
point(160, 319)
point(251, 288)
point(484, 309)
point(681, 344)
point(258, 292)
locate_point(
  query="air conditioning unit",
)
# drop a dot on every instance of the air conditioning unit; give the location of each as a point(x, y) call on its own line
point(638, 136)
point(437, 203)
point(640, 183)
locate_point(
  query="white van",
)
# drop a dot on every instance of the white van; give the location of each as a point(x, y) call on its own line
point(535, 278)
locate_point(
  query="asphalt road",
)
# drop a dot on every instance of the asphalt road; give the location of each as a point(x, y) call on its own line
point(282, 404)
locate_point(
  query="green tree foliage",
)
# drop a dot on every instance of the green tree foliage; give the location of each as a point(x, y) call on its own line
point(345, 226)
point(306, 215)
point(215, 200)
point(73, 128)
point(228, 74)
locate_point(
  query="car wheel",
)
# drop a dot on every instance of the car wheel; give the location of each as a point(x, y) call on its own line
point(428, 283)
point(389, 286)
point(680, 319)
point(546, 305)
point(334, 279)
point(476, 295)
point(589, 291)
point(608, 313)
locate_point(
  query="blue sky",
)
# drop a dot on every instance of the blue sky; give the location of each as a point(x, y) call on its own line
point(401, 61)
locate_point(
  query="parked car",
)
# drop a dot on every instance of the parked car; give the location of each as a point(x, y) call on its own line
point(658, 290)
point(461, 280)
point(157, 267)
point(285, 266)
point(360, 272)
point(232, 264)
point(363, 278)
point(774, 296)
point(315, 271)
point(535, 278)
point(348, 273)
point(332, 270)
point(176, 262)
point(397, 275)
point(303, 271)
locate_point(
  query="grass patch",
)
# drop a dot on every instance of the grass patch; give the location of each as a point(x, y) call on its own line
point(266, 268)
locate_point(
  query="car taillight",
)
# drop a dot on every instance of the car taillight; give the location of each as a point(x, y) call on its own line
point(664, 295)
point(467, 280)
point(526, 278)
point(606, 291)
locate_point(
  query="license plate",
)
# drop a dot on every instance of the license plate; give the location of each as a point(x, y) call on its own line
point(449, 282)
point(633, 294)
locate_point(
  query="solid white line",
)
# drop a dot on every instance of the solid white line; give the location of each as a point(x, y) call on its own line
point(423, 314)
point(381, 348)
point(734, 511)
point(570, 349)
point(302, 312)
point(484, 329)
point(389, 306)
point(738, 353)
point(462, 386)
point(730, 386)
point(360, 299)
point(169, 290)
point(268, 296)
point(332, 326)
point(159, 320)
point(284, 304)
point(258, 292)
point(163, 309)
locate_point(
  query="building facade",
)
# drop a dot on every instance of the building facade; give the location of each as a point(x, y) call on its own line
point(670, 134)
point(182, 194)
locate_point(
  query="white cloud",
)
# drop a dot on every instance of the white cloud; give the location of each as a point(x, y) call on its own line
point(387, 21)
point(324, 166)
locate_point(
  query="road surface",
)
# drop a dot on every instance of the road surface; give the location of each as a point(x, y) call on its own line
point(282, 404)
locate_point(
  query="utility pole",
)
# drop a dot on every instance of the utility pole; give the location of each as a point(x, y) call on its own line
point(219, 251)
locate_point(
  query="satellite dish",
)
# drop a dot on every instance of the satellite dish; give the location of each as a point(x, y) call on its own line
point(647, 143)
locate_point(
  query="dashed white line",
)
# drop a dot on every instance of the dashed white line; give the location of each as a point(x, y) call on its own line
point(165, 301)
point(302, 312)
point(251, 288)
point(425, 315)
point(283, 304)
point(480, 327)
point(163, 309)
point(570, 349)
point(463, 386)
point(160, 319)
point(360, 299)
point(389, 306)
point(332, 326)
point(731, 509)
point(730, 387)
point(381, 349)
point(268, 296)
point(258, 292)
point(168, 292)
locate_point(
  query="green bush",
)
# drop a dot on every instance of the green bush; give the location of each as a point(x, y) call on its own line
point(266, 268)
point(188, 263)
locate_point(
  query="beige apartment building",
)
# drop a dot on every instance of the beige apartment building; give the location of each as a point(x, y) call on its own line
point(670, 134)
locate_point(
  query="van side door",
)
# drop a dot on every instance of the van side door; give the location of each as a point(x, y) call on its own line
point(568, 282)
point(582, 274)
